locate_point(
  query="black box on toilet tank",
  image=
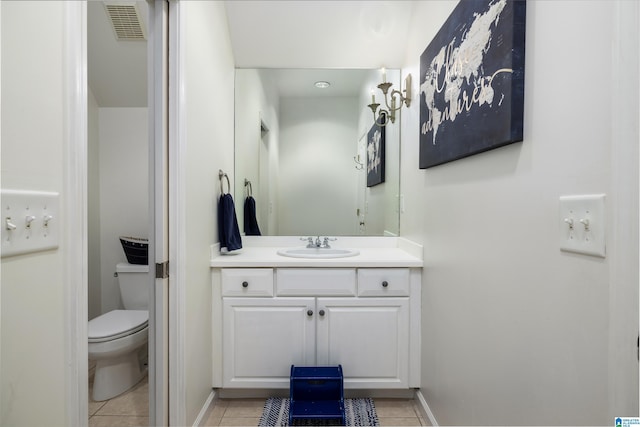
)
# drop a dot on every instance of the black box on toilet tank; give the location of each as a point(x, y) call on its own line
point(135, 249)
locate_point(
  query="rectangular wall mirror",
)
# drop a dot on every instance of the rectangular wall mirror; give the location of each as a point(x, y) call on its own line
point(301, 152)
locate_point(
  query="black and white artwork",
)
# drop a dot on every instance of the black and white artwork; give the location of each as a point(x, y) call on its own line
point(375, 153)
point(472, 81)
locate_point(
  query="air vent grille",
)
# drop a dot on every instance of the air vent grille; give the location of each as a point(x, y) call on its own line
point(125, 21)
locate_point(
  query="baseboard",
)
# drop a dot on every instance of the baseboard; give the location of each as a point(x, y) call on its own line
point(251, 393)
point(206, 409)
point(424, 408)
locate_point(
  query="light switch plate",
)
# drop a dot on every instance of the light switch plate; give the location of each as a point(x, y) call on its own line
point(29, 221)
point(582, 224)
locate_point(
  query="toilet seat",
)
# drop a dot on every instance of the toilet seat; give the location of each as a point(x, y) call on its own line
point(117, 324)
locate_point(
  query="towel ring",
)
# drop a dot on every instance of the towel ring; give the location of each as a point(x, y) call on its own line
point(221, 174)
point(247, 183)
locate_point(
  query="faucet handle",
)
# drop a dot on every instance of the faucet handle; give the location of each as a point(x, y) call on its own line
point(326, 240)
point(309, 241)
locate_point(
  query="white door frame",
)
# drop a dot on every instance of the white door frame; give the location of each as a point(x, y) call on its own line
point(75, 207)
point(177, 248)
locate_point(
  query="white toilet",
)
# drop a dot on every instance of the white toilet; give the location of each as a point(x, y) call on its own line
point(116, 337)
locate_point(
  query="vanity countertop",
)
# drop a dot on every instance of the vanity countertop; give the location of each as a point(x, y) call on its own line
point(374, 252)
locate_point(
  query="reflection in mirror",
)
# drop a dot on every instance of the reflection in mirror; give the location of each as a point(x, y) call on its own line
point(301, 153)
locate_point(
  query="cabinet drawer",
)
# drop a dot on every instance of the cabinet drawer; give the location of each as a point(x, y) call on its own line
point(254, 282)
point(315, 282)
point(377, 282)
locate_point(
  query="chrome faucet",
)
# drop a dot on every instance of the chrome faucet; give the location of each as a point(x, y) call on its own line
point(324, 243)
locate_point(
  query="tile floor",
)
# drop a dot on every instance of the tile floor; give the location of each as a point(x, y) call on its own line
point(246, 412)
point(132, 410)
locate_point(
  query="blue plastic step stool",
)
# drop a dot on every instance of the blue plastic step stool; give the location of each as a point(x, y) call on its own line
point(316, 392)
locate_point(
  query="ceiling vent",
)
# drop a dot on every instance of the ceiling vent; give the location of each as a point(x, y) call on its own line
point(125, 21)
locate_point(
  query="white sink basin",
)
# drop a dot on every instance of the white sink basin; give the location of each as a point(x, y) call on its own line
point(305, 252)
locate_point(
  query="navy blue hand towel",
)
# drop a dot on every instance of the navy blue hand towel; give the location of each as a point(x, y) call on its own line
point(250, 221)
point(228, 230)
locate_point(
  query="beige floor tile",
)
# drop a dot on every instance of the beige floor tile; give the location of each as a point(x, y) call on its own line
point(222, 403)
point(94, 406)
point(242, 421)
point(135, 402)
point(424, 422)
point(211, 422)
point(118, 421)
point(217, 411)
point(244, 408)
point(244, 402)
point(399, 421)
point(395, 408)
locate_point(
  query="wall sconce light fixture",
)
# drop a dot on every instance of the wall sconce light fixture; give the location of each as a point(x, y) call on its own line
point(397, 99)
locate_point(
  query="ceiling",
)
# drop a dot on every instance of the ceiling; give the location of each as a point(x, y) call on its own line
point(301, 82)
point(320, 34)
point(117, 70)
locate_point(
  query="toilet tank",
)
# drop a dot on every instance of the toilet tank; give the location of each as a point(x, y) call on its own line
point(134, 282)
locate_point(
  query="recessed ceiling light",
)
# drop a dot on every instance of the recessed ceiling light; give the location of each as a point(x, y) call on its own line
point(322, 84)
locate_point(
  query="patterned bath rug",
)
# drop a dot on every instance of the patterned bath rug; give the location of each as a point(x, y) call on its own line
point(358, 412)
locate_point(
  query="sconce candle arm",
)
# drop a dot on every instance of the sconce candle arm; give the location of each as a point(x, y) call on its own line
point(394, 95)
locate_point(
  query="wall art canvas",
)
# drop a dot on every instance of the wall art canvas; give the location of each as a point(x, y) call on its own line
point(472, 82)
point(375, 153)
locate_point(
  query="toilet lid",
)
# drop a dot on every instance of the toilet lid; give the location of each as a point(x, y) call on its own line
point(117, 324)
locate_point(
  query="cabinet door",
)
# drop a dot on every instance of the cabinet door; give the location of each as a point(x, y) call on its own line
point(263, 337)
point(369, 337)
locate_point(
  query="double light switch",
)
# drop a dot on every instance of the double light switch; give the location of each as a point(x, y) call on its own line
point(582, 225)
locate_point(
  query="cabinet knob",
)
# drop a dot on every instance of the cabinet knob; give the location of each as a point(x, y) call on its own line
point(385, 284)
point(321, 312)
point(309, 312)
point(245, 284)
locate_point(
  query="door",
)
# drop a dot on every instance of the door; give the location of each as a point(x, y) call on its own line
point(263, 337)
point(158, 93)
point(369, 337)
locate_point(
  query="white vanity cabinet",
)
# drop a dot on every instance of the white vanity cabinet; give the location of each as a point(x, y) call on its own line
point(263, 337)
point(369, 337)
point(366, 319)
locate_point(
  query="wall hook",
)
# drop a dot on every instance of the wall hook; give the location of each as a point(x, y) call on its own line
point(359, 164)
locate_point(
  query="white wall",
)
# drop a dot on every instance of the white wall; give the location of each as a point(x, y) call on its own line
point(124, 190)
point(515, 331)
point(206, 145)
point(33, 334)
point(317, 145)
point(255, 100)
